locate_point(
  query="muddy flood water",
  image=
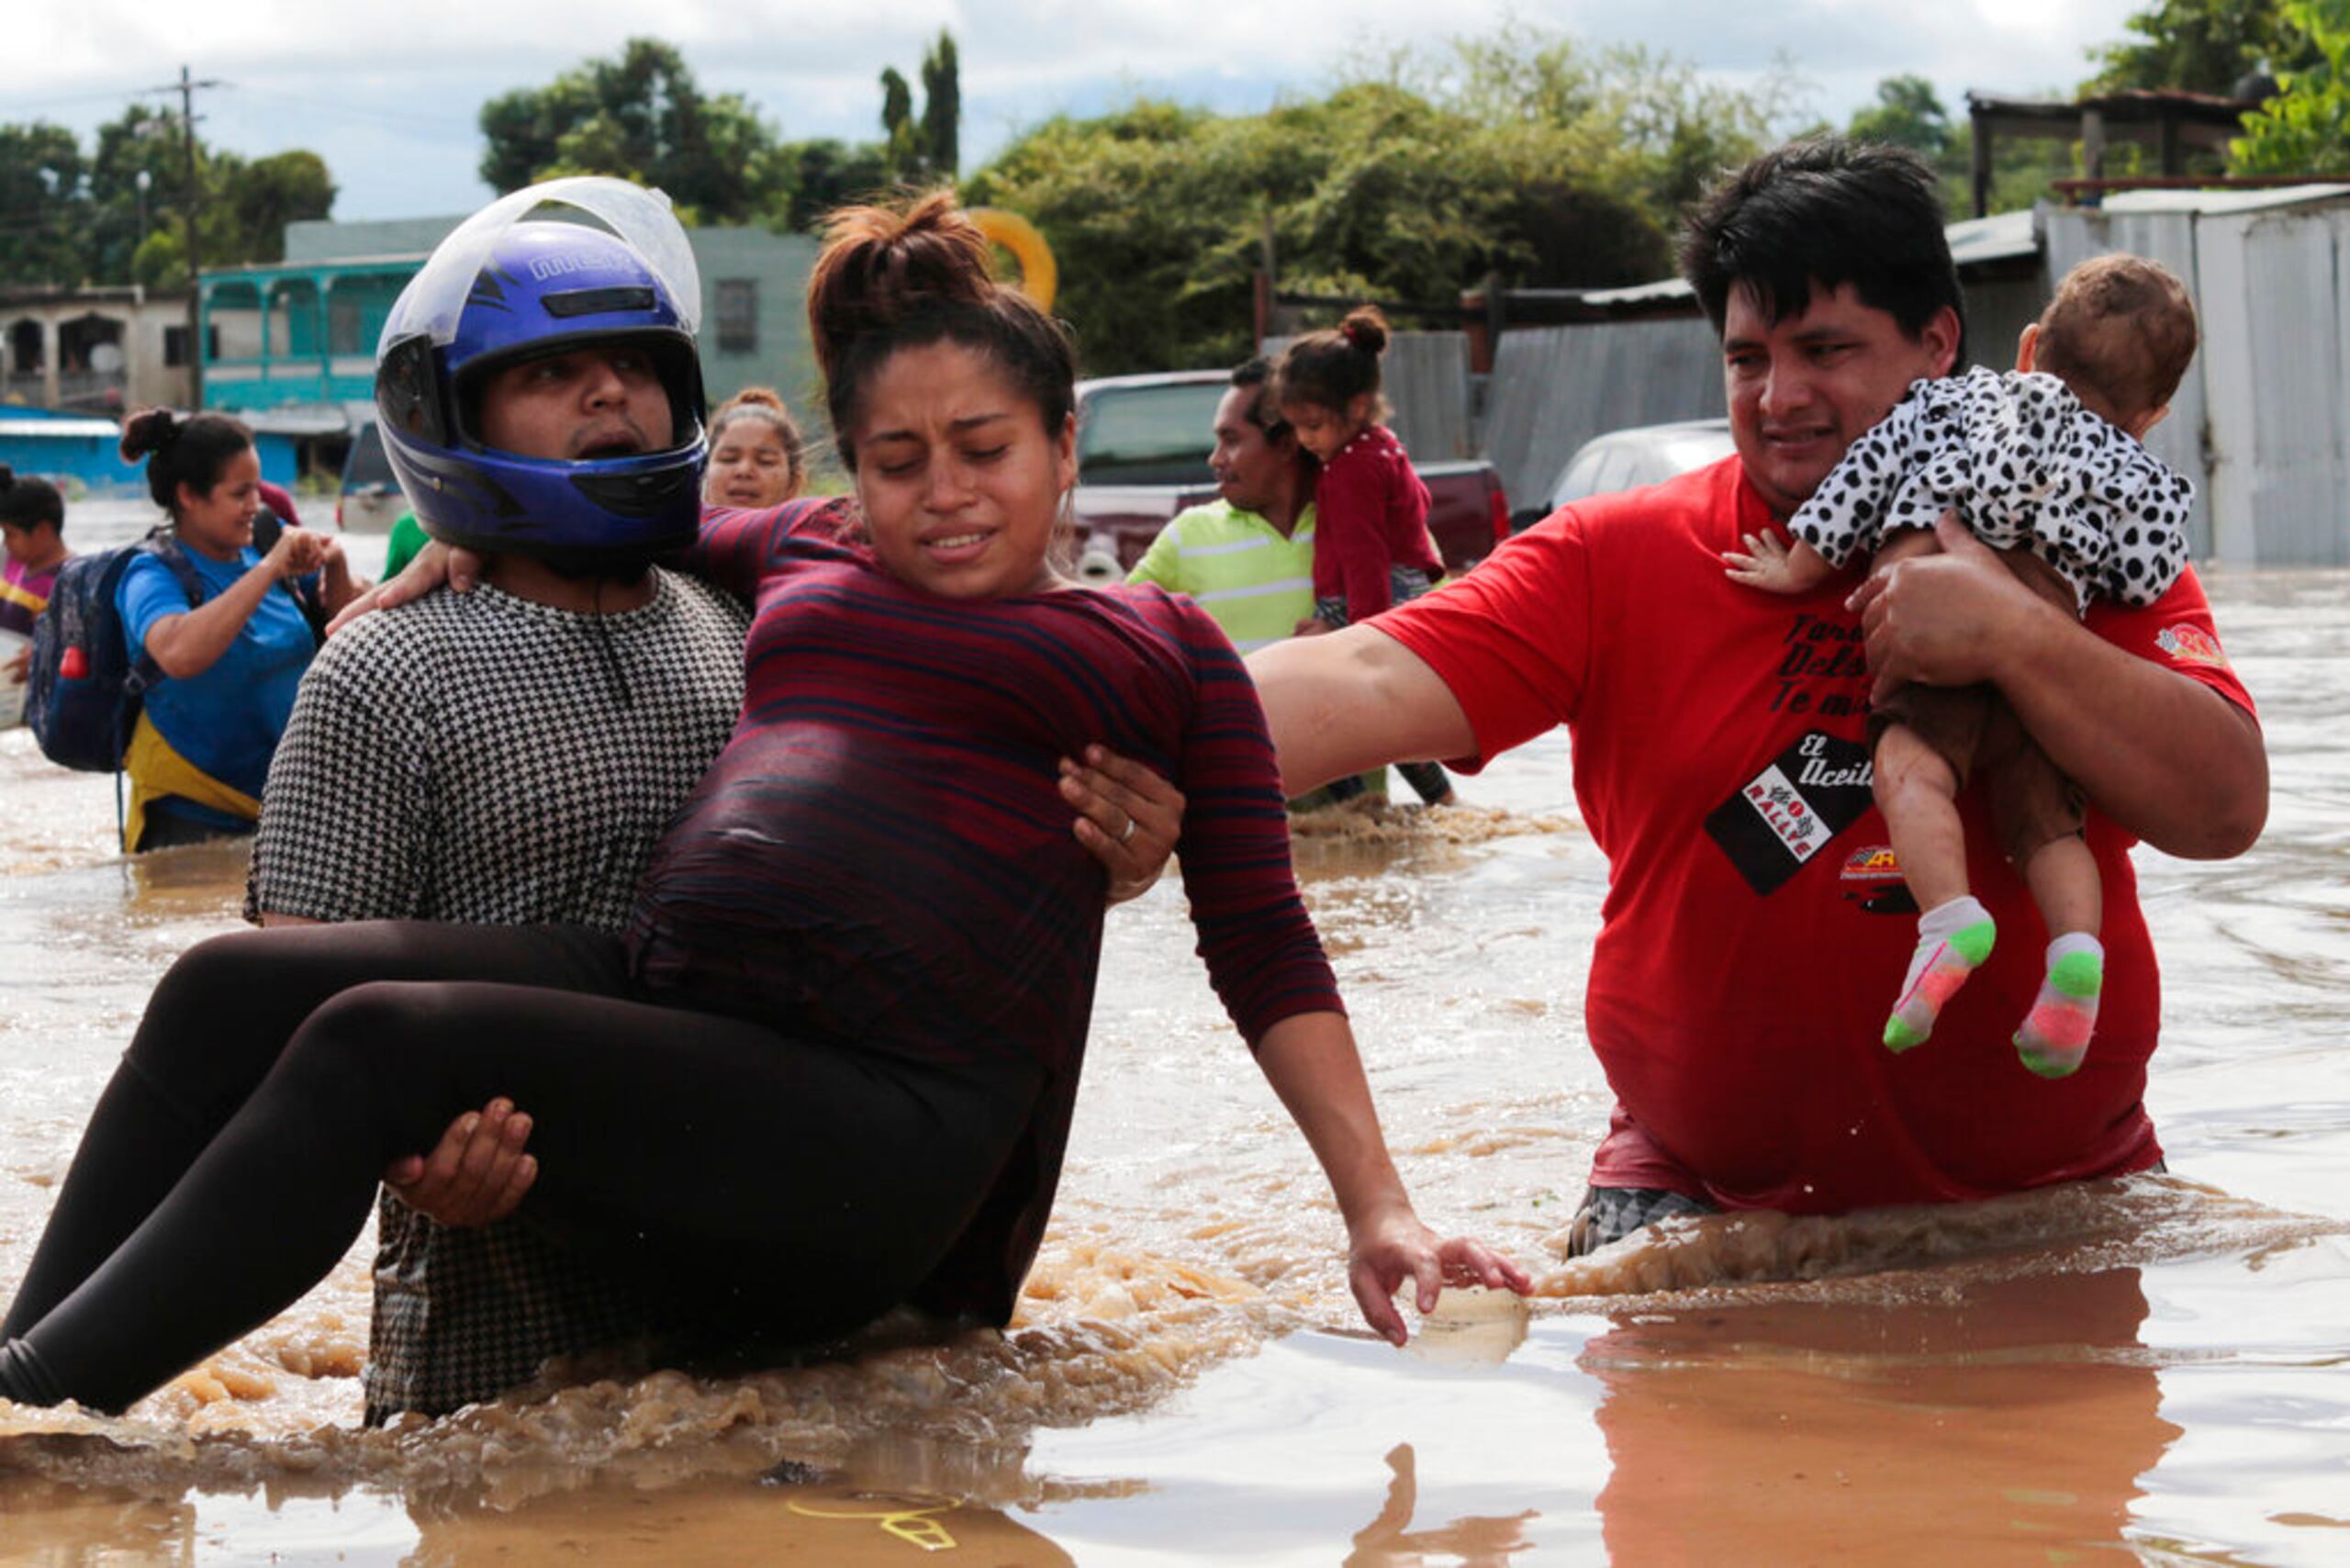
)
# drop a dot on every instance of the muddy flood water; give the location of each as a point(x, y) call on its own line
point(2159, 1370)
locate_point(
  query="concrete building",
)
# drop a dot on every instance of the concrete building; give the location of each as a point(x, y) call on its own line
point(95, 351)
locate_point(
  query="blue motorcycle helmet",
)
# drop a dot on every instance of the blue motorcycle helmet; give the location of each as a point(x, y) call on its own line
point(512, 284)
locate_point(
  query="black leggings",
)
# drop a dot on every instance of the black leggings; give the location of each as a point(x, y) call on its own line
point(771, 1186)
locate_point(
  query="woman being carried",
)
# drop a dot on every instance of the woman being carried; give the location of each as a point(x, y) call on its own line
point(830, 1067)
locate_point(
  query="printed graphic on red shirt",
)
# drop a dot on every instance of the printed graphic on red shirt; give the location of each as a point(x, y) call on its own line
point(1791, 809)
point(1872, 877)
point(2190, 644)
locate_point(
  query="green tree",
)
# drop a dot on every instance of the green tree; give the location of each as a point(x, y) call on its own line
point(828, 173)
point(2305, 129)
point(2199, 46)
point(641, 116)
point(942, 108)
point(1908, 113)
point(1413, 179)
point(141, 140)
point(41, 195)
point(71, 220)
point(900, 137)
point(265, 195)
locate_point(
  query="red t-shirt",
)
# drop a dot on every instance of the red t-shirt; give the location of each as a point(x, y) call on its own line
point(1370, 513)
point(1755, 929)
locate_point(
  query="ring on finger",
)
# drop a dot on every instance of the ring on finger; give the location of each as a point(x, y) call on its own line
point(1130, 833)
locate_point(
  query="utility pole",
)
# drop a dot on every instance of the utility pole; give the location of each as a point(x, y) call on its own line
point(188, 201)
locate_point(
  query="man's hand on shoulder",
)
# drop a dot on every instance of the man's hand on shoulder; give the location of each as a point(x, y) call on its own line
point(434, 565)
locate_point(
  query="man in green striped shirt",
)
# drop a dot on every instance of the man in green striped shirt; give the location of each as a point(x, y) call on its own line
point(1247, 557)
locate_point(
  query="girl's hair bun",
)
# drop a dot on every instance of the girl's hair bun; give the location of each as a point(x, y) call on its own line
point(1365, 329)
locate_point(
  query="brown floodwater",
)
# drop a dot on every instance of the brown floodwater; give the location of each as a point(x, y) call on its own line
point(2157, 1369)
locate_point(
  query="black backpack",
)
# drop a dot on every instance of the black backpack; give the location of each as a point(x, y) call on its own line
point(82, 690)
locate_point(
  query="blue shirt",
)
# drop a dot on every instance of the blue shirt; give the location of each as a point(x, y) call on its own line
point(227, 720)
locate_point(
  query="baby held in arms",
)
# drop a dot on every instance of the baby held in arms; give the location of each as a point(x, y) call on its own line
point(2043, 465)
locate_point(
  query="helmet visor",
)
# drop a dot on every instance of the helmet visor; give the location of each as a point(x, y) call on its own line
point(429, 307)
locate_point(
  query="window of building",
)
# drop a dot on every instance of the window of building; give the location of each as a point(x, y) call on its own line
point(342, 326)
point(175, 344)
point(738, 315)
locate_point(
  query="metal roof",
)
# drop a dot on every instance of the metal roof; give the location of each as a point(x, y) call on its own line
point(2221, 201)
point(82, 429)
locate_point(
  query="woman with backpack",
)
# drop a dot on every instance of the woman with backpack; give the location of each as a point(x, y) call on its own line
point(223, 626)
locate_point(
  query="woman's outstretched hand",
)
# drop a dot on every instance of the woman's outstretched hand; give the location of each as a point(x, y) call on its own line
point(477, 1175)
point(1127, 816)
point(1386, 1250)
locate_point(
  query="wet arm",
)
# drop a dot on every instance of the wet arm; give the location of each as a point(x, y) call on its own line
point(1352, 700)
point(1311, 1062)
point(188, 645)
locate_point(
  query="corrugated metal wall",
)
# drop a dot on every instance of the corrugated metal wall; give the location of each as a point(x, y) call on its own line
point(1555, 387)
point(2075, 234)
point(2262, 422)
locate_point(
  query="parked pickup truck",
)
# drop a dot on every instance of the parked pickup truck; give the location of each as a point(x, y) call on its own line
point(1142, 456)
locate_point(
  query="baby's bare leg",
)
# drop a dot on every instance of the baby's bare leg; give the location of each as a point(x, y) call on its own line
point(1916, 790)
point(2039, 814)
point(2065, 882)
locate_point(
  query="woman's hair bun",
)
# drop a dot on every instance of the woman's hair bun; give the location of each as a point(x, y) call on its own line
point(880, 266)
point(756, 397)
point(148, 430)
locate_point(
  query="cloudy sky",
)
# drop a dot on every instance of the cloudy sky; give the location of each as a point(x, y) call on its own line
point(387, 92)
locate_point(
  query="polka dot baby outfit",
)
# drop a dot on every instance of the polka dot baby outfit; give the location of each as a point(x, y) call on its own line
point(2025, 465)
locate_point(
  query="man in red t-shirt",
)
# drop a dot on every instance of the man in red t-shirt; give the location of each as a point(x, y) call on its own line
point(1755, 913)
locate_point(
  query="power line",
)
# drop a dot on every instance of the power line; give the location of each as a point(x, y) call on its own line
point(15, 106)
point(186, 87)
point(353, 111)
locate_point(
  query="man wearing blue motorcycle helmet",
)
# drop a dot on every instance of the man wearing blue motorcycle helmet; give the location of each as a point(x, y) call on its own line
point(509, 755)
point(538, 384)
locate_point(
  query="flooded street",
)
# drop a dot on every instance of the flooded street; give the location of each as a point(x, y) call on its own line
point(2158, 1369)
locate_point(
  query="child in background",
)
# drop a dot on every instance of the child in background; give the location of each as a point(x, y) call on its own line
point(2043, 465)
point(1371, 548)
point(32, 517)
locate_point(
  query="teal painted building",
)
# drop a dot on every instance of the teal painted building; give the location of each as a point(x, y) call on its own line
point(300, 334)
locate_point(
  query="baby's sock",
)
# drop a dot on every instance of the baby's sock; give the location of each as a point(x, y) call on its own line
point(1952, 938)
point(2056, 1036)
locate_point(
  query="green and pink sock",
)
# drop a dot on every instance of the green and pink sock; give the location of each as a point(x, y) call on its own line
point(1953, 939)
point(2056, 1036)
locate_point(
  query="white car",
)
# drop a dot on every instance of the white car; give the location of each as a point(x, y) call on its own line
point(1641, 455)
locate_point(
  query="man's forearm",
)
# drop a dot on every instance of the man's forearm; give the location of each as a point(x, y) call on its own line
point(1353, 699)
point(2166, 756)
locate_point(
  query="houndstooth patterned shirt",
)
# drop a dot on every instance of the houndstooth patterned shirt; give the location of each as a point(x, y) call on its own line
point(480, 757)
point(2025, 465)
